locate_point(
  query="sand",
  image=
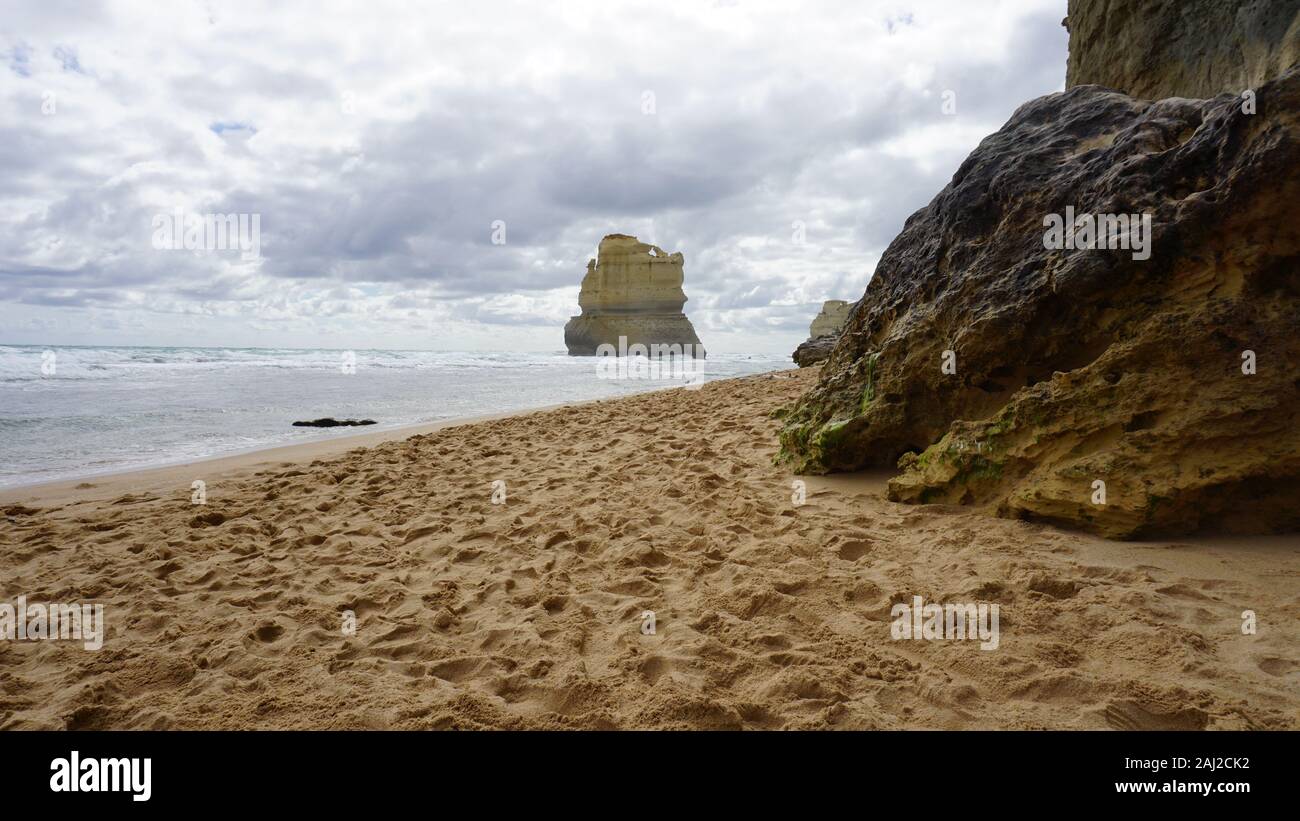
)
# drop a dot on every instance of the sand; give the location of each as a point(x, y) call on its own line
point(528, 614)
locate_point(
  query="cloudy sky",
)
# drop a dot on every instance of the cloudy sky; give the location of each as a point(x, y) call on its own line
point(379, 142)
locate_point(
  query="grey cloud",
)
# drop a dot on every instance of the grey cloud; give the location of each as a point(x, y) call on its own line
point(401, 195)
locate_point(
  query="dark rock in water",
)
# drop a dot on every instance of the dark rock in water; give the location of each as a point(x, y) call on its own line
point(1008, 371)
point(329, 422)
point(812, 351)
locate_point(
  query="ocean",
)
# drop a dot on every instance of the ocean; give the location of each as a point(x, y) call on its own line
point(72, 412)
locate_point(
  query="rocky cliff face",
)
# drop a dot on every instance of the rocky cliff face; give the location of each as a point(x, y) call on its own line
point(823, 333)
point(1129, 391)
point(1154, 49)
point(631, 290)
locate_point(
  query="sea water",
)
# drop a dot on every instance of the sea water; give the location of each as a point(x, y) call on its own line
point(69, 412)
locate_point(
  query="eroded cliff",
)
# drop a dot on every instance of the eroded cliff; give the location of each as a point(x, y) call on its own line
point(1154, 49)
point(998, 371)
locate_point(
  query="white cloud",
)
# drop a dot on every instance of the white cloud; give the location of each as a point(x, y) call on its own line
point(380, 141)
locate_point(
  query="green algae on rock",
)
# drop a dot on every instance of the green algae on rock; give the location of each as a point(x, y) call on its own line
point(1088, 365)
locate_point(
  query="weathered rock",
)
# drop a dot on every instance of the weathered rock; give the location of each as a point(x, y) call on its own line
point(632, 290)
point(1080, 366)
point(812, 351)
point(1154, 49)
point(823, 333)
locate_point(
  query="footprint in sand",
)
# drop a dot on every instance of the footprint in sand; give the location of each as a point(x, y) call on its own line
point(268, 632)
point(1278, 667)
point(854, 550)
point(1129, 715)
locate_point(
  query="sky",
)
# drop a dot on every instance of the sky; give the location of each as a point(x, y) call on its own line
point(436, 176)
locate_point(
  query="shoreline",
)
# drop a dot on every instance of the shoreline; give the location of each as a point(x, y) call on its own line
point(169, 473)
point(237, 461)
point(153, 477)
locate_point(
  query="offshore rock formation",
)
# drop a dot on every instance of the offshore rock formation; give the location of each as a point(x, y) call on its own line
point(823, 333)
point(1010, 375)
point(1154, 49)
point(632, 290)
point(331, 422)
point(830, 321)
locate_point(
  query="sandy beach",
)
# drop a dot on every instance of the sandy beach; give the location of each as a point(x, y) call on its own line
point(528, 613)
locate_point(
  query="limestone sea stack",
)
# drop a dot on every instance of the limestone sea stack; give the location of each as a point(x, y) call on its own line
point(830, 320)
point(1139, 381)
point(632, 290)
point(823, 333)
